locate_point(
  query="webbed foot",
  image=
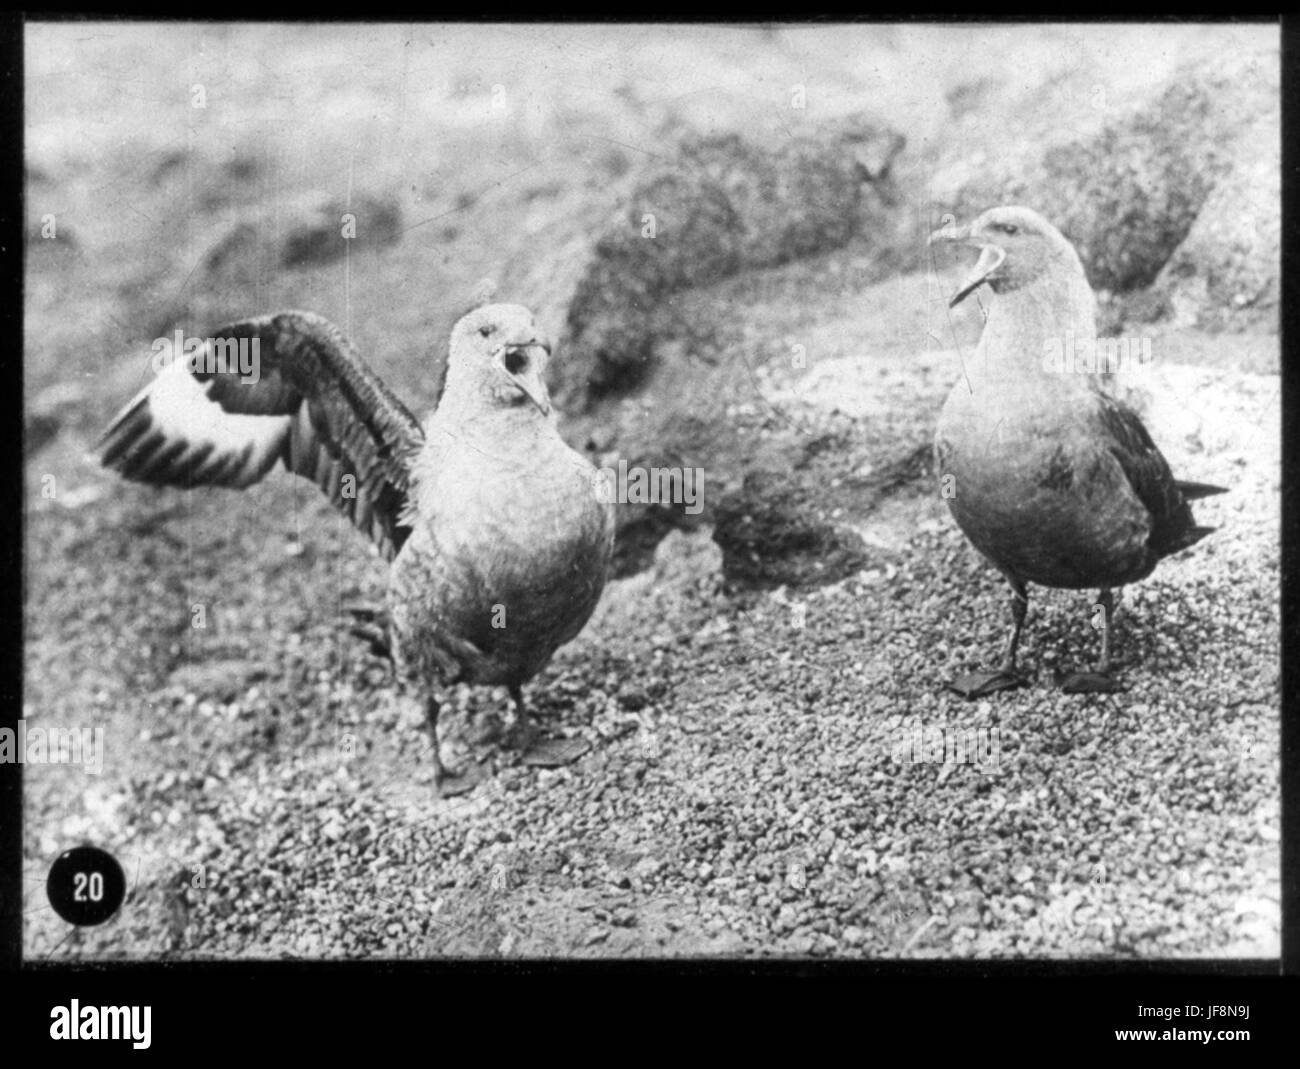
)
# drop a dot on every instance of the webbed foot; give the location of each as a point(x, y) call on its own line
point(1089, 683)
point(451, 783)
point(980, 684)
point(554, 753)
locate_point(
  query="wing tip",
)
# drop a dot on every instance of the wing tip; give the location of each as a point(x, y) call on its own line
point(1195, 491)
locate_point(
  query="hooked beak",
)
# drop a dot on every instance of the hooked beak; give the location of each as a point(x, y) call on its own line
point(529, 375)
point(991, 257)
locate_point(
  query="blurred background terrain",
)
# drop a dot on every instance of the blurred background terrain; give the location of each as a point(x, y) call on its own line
point(783, 329)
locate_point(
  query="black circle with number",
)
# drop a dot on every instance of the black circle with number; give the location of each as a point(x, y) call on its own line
point(86, 885)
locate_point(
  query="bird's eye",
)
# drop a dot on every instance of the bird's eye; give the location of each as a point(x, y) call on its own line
point(485, 331)
point(1008, 228)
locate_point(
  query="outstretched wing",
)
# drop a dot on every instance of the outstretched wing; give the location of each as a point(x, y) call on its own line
point(1172, 525)
point(305, 397)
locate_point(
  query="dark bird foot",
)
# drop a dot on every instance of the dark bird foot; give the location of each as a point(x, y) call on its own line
point(370, 624)
point(375, 640)
point(521, 735)
point(486, 730)
point(554, 753)
point(979, 684)
point(452, 784)
point(1089, 683)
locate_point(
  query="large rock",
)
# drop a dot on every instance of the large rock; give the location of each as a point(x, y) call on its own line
point(1196, 162)
point(314, 228)
point(720, 206)
point(797, 450)
point(222, 249)
point(716, 264)
point(1225, 274)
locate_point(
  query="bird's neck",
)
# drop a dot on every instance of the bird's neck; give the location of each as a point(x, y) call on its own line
point(511, 433)
point(521, 422)
point(1030, 326)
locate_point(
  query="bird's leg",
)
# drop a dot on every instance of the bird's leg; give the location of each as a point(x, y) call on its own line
point(1099, 680)
point(979, 684)
point(536, 750)
point(1019, 610)
point(1107, 600)
point(523, 733)
point(448, 783)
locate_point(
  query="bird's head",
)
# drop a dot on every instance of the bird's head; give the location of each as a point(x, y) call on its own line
point(498, 352)
point(1016, 245)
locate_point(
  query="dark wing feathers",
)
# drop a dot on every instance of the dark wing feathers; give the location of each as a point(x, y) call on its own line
point(1173, 527)
point(314, 404)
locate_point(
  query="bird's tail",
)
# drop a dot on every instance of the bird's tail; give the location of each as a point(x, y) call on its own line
point(1193, 491)
point(1191, 536)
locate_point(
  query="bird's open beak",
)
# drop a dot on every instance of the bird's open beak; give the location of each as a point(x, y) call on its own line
point(529, 377)
point(991, 257)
